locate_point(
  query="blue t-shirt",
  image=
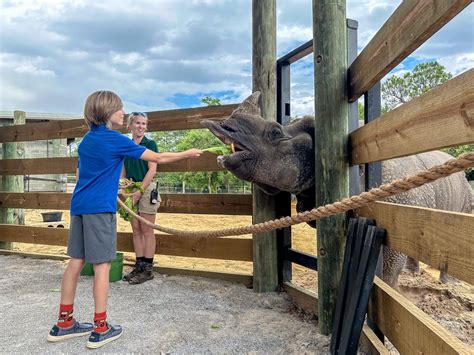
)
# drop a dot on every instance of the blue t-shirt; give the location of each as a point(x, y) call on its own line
point(101, 154)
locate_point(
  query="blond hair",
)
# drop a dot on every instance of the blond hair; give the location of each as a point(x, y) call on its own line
point(132, 116)
point(100, 105)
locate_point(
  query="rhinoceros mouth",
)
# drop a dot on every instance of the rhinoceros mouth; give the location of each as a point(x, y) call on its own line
point(225, 134)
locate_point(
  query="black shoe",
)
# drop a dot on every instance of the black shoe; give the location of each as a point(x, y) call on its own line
point(145, 275)
point(136, 270)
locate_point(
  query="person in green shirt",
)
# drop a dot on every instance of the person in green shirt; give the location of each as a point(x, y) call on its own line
point(144, 241)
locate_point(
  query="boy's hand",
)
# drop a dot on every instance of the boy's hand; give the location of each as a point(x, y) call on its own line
point(193, 153)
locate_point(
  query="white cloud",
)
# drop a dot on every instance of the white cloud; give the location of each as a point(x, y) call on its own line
point(29, 68)
point(55, 52)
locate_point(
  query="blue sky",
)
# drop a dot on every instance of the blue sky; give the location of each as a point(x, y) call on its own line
point(169, 54)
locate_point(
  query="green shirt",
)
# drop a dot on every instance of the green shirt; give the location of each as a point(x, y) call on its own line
point(136, 169)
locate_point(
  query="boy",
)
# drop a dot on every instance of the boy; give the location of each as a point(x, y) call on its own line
point(92, 233)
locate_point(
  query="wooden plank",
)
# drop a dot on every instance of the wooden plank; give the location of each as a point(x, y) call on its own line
point(332, 171)
point(412, 23)
point(408, 328)
point(441, 239)
point(265, 266)
point(226, 204)
point(370, 344)
point(211, 248)
point(245, 279)
point(13, 183)
point(36, 200)
point(38, 166)
point(166, 120)
point(302, 298)
point(308, 301)
point(442, 117)
point(206, 162)
point(242, 278)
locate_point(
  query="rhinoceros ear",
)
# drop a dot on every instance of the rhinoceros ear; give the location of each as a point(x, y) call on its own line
point(250, 105)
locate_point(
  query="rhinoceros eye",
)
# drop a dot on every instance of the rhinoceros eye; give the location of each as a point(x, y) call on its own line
point(276, 133)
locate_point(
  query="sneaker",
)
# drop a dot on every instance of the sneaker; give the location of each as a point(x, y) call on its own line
point(145, 275)
point(136, 269)
point(75, 330)
point(96, 340)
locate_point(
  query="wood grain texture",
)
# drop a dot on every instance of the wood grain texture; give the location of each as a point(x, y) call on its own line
point(211, 248)
point(226, 204)
point(441, 239)
point(412, 23)
point(442, 117)
point(167, 120)
point(265, 267)
point(206, 162)
point(408, 328)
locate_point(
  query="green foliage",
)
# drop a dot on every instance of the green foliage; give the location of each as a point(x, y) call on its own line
point(123, 213)
point(424, 77)
point(219, 150)
point(211, 101)
point(137, 186)
point(457, 151)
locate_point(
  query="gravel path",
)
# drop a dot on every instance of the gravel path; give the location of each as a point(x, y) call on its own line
point(170, 314)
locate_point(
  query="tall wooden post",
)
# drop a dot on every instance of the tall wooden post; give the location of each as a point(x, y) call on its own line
point(265, 260)
point(13, 183)
point(332, 173)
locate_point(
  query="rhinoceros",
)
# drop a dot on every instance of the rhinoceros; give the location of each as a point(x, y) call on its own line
point(281, 158)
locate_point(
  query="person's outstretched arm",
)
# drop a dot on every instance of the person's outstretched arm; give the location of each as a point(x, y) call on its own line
point(169, 157)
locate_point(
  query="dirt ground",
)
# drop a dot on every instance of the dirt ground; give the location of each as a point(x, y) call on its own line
point(449, 304)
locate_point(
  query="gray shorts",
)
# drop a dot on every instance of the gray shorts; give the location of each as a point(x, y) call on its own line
point(93, 237)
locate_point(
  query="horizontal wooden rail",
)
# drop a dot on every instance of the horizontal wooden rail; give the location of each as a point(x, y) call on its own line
point(228, 204)
point(212, 248)
point(441, 239)
point(412, 23)
point(440, 118)
point(407, 327)
point(168, 120)
point(308, 301)
point(206, 162)
point(242, 278)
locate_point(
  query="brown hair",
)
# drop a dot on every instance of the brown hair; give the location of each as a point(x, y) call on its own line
point(99, 106)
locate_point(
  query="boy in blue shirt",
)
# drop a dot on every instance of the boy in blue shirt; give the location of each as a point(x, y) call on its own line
point(93, 232)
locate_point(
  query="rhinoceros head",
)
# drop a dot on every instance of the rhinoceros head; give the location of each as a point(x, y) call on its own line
point(274, 157)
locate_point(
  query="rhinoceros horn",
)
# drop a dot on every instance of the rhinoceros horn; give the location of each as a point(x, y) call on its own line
point(250, 105)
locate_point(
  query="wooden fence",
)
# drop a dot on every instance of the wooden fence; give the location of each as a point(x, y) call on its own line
point(441, 118)
point(226, 248)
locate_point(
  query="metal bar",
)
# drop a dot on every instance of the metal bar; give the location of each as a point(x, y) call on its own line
point(373, 173)
point(297, 53)
point(354, 175)
point(301, 258)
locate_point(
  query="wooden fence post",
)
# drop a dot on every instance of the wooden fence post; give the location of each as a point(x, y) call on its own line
point(13, 183)
point(331, 134)
point(265, 259)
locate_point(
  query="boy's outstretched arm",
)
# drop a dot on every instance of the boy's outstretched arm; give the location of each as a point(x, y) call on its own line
point(169, 157)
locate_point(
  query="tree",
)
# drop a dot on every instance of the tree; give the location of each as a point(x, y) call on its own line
point(424, 77)
point(211, 101)
point(398, 90)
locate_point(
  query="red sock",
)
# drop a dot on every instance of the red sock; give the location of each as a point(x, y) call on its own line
point(66, 318)
point(100, 323)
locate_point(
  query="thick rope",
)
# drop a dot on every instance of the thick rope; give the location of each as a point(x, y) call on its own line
point(395, 187)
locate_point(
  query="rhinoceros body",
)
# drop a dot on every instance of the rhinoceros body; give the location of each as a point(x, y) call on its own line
point(281, 158)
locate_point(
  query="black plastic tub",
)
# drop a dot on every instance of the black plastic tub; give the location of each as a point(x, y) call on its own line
point(51, 216)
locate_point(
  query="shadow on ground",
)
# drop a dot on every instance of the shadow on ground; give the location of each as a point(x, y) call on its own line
point(174, 314)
